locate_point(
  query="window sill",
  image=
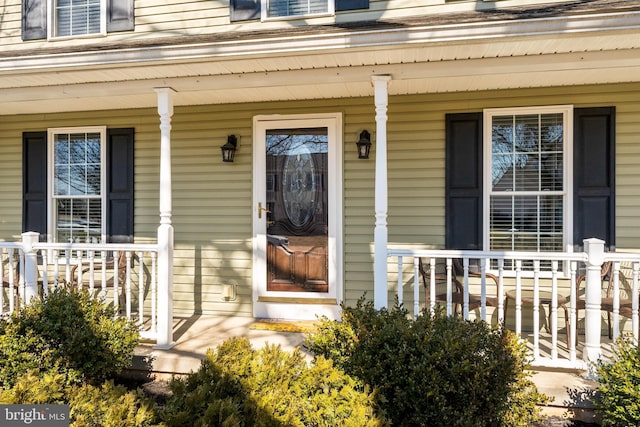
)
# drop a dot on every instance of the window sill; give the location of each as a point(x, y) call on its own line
point(78, 37)
point(294, 17)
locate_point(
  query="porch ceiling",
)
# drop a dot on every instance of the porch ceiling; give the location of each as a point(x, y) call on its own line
point(576, 50)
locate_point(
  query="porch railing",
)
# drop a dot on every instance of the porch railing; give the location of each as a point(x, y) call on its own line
point(536, 285)
point(12, 273)
point(123, 275)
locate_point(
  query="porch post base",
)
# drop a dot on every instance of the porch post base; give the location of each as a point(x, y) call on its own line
point(164, 346)
point(30, 272)
point(165, 287)
point(594, 249)
point(591, 357)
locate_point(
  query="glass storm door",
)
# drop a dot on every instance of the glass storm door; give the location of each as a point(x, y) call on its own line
point(294, 206)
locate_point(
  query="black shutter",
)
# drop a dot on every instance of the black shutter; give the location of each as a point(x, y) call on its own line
point(594, 175)
point(244, 10)
point(120, 15)
point(34, 183)
point(463, 183)
point(34, 19)
point(351, 4)
point(120, 185)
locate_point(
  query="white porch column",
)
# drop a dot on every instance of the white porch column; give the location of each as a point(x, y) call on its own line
point(30, 273)
point(381, 99)
point(165, 230)
point(593, 294)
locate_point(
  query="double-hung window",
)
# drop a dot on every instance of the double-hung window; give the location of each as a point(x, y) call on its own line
point(527, 198)
point(51, 19)
point(296, 8)
point(530, 179)
point(77, 184)
point(243, 10)
point(73, 18)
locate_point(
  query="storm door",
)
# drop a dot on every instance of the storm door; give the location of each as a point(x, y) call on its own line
point(296, 217)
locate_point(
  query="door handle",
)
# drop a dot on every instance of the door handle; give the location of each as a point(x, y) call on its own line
point(261, 209)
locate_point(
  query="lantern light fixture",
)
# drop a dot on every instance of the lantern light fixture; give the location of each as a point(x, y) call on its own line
point(364, 144)
point(229, 149)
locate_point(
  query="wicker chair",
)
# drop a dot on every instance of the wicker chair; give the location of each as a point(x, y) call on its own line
point(457, 293)
point(606, 302)
point(109, 265)
point(8, 283)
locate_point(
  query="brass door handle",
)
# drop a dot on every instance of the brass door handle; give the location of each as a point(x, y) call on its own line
point(261, 209)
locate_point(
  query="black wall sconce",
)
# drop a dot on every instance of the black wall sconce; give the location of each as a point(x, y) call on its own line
point(364, 145)
point(229, 149)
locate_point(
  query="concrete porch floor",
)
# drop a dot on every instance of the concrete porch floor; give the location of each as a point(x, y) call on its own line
point(194, 335)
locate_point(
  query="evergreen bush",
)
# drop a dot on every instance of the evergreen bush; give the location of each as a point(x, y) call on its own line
point(68, 331)
point(617, 397)
point(237, 385)
point(89, 406)
point(435, 370)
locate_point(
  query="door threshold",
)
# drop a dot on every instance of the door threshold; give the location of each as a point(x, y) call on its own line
point(290, 300)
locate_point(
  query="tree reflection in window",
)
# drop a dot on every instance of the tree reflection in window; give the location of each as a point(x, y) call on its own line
point(77, 186)
point(296, 160)
point(291, 141)
point(526, 196)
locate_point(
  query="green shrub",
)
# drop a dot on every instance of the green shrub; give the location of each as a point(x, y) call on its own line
point(110, 406)
point(435, 370)
point(68, 331)
point(237, 385)
point(36, 388)
point(617, 397)
point(89, 406)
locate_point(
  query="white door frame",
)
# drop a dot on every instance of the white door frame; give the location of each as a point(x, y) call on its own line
point(298, 305)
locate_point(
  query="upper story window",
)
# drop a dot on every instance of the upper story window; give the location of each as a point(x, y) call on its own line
point(244, 10)
point(77, 199)
point(294, 8)
point(527, 169)
point(78, 17)
point(51, 19)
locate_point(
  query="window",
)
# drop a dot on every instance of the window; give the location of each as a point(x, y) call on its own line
point(527, 160)
point(116, 185)
point(42, 19)
point(538, 184)
point(78, 17)
point(77, 190)
point(283, 8)
point(244, 10)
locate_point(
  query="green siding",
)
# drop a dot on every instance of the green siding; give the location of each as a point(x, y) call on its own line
point(189, 18)
point(212, 201)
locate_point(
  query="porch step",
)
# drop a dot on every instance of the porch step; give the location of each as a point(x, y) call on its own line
point(571, 391)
